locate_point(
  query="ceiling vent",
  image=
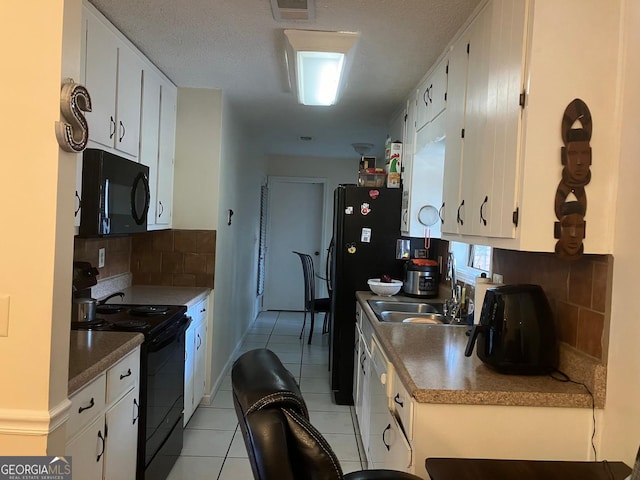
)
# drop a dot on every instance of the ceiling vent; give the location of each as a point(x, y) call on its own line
point(293, 10)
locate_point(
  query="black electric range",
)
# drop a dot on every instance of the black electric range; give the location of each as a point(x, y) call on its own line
point(162, 355)
point(149, 320)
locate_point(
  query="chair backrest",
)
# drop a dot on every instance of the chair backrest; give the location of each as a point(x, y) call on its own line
point(273, 417)
point(309, 278)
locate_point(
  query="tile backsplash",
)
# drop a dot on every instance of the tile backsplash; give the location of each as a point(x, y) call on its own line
point(579, 293)
point(167, 257)
point(117, 254)
point(183, 258)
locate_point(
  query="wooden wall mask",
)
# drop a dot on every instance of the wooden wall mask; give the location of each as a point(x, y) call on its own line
point(571, 198)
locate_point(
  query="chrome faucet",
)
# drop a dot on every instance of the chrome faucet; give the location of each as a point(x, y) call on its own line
point(452, 306)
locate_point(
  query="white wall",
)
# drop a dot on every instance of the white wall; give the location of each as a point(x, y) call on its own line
point(242, 169)
point(218, 170)
point(198, 148)
point(621, 433)
point(37, 185)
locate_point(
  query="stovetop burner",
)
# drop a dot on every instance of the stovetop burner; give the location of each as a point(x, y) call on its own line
point(130, 324)
point(149, 310)
point(87, 324)
point(111, 308)
point(147, 319)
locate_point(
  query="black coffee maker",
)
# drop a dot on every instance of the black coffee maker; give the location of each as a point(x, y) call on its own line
point(516, 333)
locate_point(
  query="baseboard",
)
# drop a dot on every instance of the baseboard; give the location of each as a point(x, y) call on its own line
point(33, 422)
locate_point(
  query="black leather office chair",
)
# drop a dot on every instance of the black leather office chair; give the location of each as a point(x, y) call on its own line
point(281, 442)
point(311, 303)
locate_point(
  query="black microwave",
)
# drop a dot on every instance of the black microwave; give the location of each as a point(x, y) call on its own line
point(115, 195)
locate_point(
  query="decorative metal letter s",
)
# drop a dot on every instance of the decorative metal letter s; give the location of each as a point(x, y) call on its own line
point(73, 133)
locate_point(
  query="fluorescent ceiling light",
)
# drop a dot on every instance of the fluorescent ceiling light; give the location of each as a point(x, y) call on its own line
point(320, 63)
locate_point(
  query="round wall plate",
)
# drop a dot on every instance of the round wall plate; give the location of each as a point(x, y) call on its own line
point(428, 215)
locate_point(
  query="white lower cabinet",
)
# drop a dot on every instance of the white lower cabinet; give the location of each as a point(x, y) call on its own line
point(387, 446)
point(362, 368)
point(102, 430)
point(122, 437)
point(87, 451)
point(195, 358)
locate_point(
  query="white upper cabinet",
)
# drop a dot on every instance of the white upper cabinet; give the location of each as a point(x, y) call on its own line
point(150, 134)
point(505, 106)
point(432, 95)
point(113, 76)
point(424, 154)
point(157, 145)
point(454, 125)
point(166, 154)
point(133, 111)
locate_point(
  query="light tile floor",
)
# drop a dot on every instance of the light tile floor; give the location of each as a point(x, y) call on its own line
point(213, 445)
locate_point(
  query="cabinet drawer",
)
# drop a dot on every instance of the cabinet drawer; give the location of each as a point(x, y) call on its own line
point(402, 406)
point(86, 405)
point(123, 376)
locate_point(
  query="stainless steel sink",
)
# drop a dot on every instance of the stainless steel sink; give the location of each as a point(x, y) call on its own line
point(404, 317)
point(380, 306)
point(400, 311)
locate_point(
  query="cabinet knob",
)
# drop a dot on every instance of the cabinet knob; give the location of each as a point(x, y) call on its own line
point(383, 378)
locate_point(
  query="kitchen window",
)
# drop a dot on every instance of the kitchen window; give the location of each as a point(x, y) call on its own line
point(471, 261)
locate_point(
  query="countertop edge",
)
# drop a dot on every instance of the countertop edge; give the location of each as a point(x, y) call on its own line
point(100, 362)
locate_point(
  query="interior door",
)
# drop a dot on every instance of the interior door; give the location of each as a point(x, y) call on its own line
point(295, 217)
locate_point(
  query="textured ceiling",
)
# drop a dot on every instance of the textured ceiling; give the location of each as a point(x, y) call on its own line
point(237, 46)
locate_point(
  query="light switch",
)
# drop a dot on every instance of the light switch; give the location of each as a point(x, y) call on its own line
point(4, 315)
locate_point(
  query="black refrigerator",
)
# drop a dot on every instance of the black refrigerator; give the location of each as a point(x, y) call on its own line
point(366, 225)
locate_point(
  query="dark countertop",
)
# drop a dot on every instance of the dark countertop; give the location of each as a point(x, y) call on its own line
point(91, 353)
point(160, 295)
point(489, 469)
point(430, 362)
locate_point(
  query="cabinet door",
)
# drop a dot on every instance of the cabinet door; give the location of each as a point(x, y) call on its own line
point(200, 361)
point(408, 140)
point(391, 449)
point(504, 119)
point(149, 135)
point(475, 171)
point(432, 95)
point(166, 154)
point(101, 68)
point(128, 101)
point(189, 365)
point(455, 122)
point(87, 450)
point(122, 440)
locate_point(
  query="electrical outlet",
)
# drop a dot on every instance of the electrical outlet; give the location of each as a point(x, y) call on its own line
point(497, 278)
point(101, 255)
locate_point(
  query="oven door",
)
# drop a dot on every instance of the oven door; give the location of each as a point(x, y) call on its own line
point(165, 394)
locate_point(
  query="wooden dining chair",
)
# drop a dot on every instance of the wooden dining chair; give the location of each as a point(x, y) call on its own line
point(311, 303)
